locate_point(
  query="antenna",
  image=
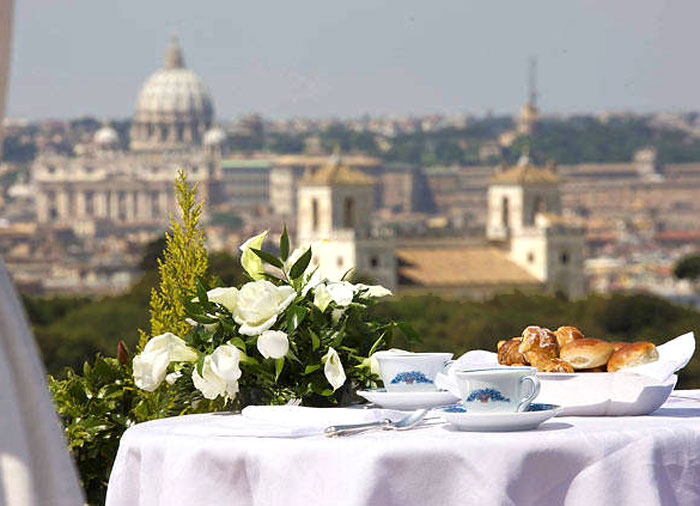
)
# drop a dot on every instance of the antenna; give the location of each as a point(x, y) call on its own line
point(532, 82)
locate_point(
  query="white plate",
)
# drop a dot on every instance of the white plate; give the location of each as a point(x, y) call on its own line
point(604, 394)
point(408, 400)
point(459, 417)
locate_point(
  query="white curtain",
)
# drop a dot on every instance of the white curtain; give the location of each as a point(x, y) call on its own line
point(35, 467)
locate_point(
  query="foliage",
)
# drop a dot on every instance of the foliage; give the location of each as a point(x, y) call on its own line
point(184, 261)
point(94, 409)
point(309, 330)
point(688, 267)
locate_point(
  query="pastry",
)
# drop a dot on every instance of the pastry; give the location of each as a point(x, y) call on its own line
point(618, 344)
point(541, 341)
point(549, 364)
point(587, 353)
point(509, 354)
point(633, 354)
point(567, 334)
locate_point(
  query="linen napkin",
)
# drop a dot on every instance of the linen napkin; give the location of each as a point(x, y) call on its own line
point(281, 421)
point(674, 355)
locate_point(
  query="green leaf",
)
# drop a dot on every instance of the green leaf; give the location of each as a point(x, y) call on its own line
point(300, 265)
point(268, 257)
point(202, 293)
point(279, 365)
point(295, 315)
point(376, 344)
point(284, 244)
point(238, 343)
point(200, 363)
point(315, 341)
point(291, 355)
point(409, 332)
point(203, 319)
point(311, 368)
point(246, 359)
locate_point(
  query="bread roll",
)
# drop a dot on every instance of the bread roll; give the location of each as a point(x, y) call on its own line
point(587, 353)
point(633, 354)
point(541, 341)
point(567, 334)
point(508, 353)
point(618, 344)
point(594, 369)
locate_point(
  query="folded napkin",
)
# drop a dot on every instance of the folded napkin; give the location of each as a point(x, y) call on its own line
point(281, 421)
point(673, 356)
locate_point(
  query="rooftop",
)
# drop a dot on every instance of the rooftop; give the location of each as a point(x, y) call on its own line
point(479, 265)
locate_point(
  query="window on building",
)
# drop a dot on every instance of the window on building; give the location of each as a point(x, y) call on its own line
point(314, 214)
point(180, 132)
point(374, 261)
point(531, 258)
point(564, 257)
point(339, 261)
point(505, 212)
point(349, 213)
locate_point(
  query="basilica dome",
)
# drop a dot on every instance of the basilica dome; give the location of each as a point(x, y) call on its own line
point(173, 108)
point(215, 137)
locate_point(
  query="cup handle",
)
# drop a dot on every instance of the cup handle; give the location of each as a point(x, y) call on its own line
point(535, 382)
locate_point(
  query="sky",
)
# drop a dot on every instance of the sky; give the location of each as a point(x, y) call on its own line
point(321, 58)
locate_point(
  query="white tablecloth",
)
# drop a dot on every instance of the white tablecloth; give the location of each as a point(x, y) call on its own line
point(571, 461)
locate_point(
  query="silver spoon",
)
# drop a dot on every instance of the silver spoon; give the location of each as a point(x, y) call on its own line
point(405, 423)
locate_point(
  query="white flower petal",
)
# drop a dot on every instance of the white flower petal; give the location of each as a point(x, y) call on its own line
point(259, 304)
point(333, 369)
point(227, 297)
point(273, 344)
point(249, 260)
point(322, 297)
point(150, 368)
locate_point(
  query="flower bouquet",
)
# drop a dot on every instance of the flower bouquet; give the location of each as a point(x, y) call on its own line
point(285, 334)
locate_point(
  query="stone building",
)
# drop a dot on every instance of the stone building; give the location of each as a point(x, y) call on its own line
point(335, 207)
point(171, 129)
point(528, 244)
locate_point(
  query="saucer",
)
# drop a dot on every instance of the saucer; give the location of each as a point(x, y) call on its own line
point(408, 400)
point(460, 417)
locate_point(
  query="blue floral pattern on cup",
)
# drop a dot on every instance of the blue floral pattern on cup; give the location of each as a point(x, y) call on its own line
point(411, 377)
point(487, 395)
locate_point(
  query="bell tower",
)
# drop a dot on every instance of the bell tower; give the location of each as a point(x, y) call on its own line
point(334, 212)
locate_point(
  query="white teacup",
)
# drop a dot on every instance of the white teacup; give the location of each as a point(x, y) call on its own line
point(498, 390)
point(411, 372)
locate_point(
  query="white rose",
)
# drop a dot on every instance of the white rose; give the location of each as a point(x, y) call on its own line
point(150, 369)
point(373, 290)
point(150, 366)
point(333, 369)
point(227, 297)
point(341, 292)
point(249, 260)
point(259, 305)
point(273, 344)
point(220, 373)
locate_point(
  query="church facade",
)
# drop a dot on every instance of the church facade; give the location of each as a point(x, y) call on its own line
point(172, 128)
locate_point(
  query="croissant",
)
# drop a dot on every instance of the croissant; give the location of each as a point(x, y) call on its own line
point(509, 353)
point(567, 334)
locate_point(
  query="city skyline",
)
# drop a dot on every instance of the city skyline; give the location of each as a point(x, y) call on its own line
point(366, 58)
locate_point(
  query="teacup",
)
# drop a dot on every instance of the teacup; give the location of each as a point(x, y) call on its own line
point(411, 372)
point(498, 390)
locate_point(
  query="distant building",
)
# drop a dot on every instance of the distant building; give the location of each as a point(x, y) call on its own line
point(171, 129)
point(335, 207)
point(528, 245)
point(529, 115)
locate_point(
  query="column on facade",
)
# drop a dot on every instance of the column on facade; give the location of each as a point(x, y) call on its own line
point(114, 205)
point(80, 204)
point(62, 208)
point(101, 204)
point(163, 204)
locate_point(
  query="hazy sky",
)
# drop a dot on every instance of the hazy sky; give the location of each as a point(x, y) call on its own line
point(332, 57)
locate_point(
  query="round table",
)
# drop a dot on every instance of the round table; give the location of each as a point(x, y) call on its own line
point(570, 460)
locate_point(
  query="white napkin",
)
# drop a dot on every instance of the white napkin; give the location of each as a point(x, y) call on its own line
point(673, 356)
